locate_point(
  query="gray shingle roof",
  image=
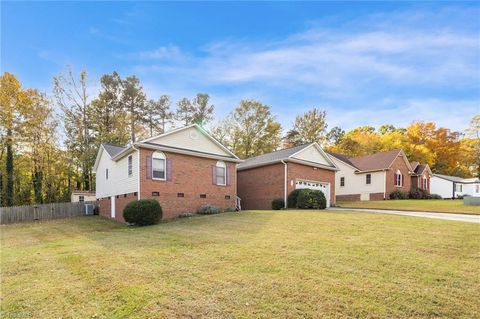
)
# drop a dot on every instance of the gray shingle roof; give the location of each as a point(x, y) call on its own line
point(112, 150)
point(271, 157)
point(457, 179)
point(377, 161)
point(343, 158)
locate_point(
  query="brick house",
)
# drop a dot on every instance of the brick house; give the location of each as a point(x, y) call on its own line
point(182, 169)
point(274, 175)
point(372, 177)
point(421, 176)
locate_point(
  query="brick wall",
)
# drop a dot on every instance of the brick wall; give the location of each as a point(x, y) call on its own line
point(257, 187)
point(348, 197)
point(398, 164)
point(376, 196)
point(120, 202)
point(191, 176)
point(299, 171)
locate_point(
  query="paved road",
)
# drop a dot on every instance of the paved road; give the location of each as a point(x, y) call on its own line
point(456, 217)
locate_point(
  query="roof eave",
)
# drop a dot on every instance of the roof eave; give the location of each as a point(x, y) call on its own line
point(188, 152)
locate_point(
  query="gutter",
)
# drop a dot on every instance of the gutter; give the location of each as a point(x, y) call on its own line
point(285, 184)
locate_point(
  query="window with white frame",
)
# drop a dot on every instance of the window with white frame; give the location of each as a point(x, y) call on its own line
point(424, 182)
point(368, 179)
point(342, 181)
point(477, 188)
point(130, 165)
point(106, 173)
point(158, 165)
point(221, 173)
point(458, 188)
point(398, 179)
point(81, 198)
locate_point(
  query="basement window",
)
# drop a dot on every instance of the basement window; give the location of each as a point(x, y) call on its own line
point(227, 196)
point(203, 195)
point(180, 195)
point(155, 193)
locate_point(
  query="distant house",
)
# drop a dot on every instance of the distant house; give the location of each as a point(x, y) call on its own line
point(453, 186)
point(274, 175)
point(82, 196)
point(182, 169)
point(421, 176)
point(372, 177)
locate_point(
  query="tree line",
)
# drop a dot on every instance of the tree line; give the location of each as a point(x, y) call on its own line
point(45, 154)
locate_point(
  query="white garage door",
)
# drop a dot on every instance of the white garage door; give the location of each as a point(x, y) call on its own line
point(324, 187)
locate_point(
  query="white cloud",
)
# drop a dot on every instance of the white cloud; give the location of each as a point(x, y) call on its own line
point(424, 68)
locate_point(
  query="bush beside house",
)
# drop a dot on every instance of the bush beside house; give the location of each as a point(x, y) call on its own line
point(143, 212)
point(278, 203)
point(414, 193)
point(308, 199)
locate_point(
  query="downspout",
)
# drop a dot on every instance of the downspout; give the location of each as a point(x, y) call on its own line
point(138, 170)
point(285, 186)
point(385, 185)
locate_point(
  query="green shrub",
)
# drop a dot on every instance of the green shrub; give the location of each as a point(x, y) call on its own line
point(398, 195)
point(417, 193)
point(230, 209)
point(278, 203)
point(311, 199)
point(143, 212)
point(292, 198)
point(435, 196)
point(208, 210)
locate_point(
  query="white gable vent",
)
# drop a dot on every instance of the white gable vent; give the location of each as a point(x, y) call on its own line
point(194, 135)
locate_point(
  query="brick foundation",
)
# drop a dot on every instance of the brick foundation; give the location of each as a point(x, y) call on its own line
point(376, 196)
point(349, 197)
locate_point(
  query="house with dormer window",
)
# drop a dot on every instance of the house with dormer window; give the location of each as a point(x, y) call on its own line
point(183, 169)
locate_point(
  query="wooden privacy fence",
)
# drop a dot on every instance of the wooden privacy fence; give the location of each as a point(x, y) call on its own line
point(17, 214)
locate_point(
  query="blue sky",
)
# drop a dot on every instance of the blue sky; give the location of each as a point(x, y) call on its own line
point(366, 63)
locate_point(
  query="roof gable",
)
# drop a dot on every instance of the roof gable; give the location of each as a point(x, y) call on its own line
point(192, 138)
point(313, 154)
point(309, 154)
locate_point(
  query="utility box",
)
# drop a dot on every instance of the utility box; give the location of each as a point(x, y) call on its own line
point(89, 209)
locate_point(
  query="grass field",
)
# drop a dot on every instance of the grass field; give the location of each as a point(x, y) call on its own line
point(242, 265)
point(424, 205)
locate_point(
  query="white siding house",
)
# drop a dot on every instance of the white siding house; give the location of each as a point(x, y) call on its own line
point(349, 181)
point(116, 177)
point(453, 186)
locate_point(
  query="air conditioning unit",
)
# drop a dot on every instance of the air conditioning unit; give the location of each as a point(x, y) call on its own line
point(89, 208)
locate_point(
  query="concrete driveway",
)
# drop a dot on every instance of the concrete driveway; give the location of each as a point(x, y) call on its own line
point(446, 216)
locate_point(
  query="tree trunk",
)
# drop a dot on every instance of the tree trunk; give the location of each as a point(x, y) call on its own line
point(9, 169)
point(37, 179)
point(132, 123)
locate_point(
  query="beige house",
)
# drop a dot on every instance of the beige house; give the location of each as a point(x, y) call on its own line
point(82, 196)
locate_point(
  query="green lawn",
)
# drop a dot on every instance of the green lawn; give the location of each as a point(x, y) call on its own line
point(242, 265)
point(424, 205)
